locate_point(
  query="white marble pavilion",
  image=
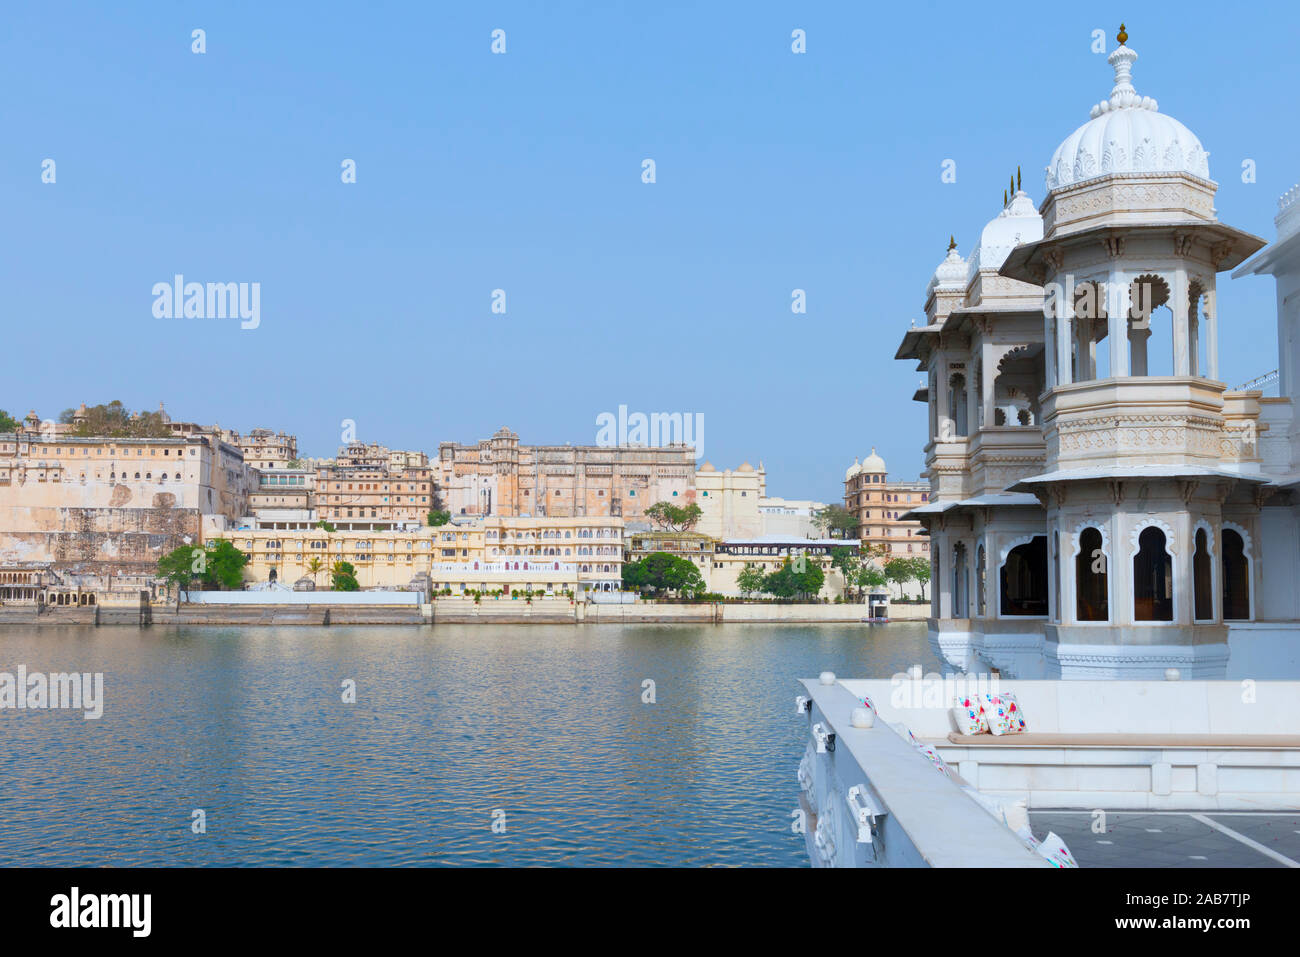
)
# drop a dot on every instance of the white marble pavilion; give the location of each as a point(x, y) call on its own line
point(1103, 505)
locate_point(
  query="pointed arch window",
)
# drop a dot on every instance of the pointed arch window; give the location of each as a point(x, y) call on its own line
point(1202, 578)
point(1091, 592)
point(1153, 578)
point(1236, 577)
point(1024, 579)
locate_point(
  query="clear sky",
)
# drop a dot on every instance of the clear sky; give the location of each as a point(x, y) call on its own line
point(523, 172)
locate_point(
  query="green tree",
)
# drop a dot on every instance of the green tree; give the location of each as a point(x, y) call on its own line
point(634, 577)
point(674, 518)
point(849, 565)
point(684, 578)
point(661, 572)
point(115, 419)
point(921, 571)
point(343, 577)
point(870, 575)
point(750, 579)
point(225, 565)
point(899, 572)
point(181, 566)
point(835, 521)
point(438, 517)
point(218, 565)
point(322, 524)
point(314, 567)
point(8, 423)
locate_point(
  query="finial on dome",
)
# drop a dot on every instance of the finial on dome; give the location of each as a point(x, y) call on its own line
point(1123, 95)
point(1017, 179)
point(952, 243)
point(1004, 199)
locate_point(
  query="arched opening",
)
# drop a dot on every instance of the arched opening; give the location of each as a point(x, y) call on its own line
point(1018, 385)
point(272, 575)
point(1150, 328)
point(1236, 577)
point(1088, 329)
point(1091, 593)
point(960, 601)
point(1024, 579)
point(957, 401)
point(1153, 578)
point(1195, 347)
point(980, 579)
point(1202, 578)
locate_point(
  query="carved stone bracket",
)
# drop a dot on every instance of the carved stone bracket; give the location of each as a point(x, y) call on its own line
point(1114, 246)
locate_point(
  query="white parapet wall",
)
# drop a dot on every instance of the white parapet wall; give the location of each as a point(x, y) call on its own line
point(1115, 745)
point(921, 817)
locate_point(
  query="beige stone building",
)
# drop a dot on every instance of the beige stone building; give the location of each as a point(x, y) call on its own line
point(499, 476)
point(96, 513)
point(264, 449)
point(485, 554)
point(374, 496)
point(729, 500)
point(735, 504)
point(879, 505)
point(720, 562)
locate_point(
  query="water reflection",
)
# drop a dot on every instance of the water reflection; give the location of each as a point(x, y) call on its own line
point(544, 723)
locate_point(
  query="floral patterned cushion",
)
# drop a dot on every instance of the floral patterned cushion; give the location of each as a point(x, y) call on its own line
point(1057, 854)
point(1003, 714)
point(939, 763)
point(968, 713)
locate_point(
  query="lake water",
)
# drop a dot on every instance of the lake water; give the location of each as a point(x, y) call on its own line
point(541, 728)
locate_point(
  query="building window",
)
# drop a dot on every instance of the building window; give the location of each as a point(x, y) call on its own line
point(1153, 574)
point(980, 578)
point(960, 602)
point(1024, 579)
point(1236, 577)
point(1090, 580)
point(1202, 578)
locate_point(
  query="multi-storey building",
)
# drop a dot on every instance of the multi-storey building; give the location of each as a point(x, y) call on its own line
point(101, 510)
point(364, 497)
point(1102, 503)
point(720, 561)
point(283, 498)
point(264, 449)
point(879, 506)
point(498, 476)
point(484, 554)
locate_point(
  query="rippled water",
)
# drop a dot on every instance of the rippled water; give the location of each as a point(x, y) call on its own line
point(544, 723)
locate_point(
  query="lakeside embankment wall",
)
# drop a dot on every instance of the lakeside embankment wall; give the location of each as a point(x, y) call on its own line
point(455, 611)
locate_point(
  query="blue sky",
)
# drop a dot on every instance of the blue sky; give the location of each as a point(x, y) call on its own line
point(522, 172)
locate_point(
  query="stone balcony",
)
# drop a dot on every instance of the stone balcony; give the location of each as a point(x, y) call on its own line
point(1182, 421)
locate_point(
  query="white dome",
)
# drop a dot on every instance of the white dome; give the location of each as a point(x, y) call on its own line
point(1127, 134)
point(1018, 223)
point(853, 470)
point(873, 462)
point(951, 274)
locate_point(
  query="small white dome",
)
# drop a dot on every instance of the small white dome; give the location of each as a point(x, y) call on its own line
point(873, 462)
point(1127, 134)
point(1018, 223)
point(853, 470)
point(951, 274)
